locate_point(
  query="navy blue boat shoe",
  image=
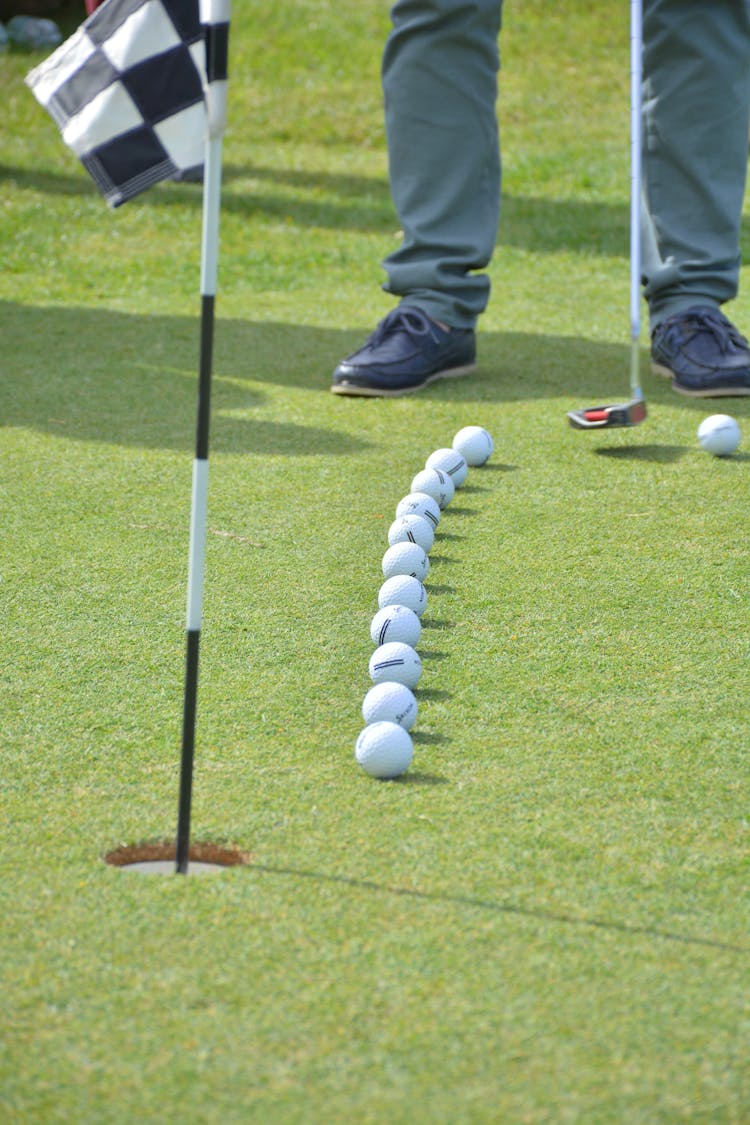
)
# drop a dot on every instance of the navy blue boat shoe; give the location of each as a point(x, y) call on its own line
point(406, 351)
point(702, 353)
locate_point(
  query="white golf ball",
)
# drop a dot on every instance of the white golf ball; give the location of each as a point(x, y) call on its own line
point(719, 434)
point(395, 623)
point(392, 703)
point(406, 558)
point(402, 589)
point(475, 444)
point(395, 662)
point(436, 484)
point(412, 529)
point(419, 504)
point(384, 750)
point(452, 462)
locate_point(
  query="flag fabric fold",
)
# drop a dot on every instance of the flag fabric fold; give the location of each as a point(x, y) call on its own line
point(128, 92)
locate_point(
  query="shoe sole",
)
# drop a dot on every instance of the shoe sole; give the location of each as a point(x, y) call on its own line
point(351, 389)
point(716, 392)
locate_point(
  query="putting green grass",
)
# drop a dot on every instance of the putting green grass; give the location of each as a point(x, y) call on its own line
point(546, 920)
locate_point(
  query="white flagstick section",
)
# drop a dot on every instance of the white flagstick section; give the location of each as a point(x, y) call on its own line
point(197, 554)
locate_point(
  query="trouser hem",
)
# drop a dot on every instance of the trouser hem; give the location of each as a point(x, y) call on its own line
point(665, 309)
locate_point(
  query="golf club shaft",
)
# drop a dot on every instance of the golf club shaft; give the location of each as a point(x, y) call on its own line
point(636, 106)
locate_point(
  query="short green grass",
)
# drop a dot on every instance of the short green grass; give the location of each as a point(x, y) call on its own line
point(546, 920)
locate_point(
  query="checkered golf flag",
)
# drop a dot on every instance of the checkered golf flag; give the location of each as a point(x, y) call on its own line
point(127, 93)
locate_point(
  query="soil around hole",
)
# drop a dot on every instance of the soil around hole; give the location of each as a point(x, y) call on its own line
point(155, 851)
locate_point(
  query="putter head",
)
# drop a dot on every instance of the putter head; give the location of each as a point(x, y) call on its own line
point(600, 417)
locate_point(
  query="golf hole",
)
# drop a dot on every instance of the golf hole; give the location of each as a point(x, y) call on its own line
point(159, 858)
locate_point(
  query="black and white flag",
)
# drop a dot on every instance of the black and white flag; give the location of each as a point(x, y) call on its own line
point(127, 91)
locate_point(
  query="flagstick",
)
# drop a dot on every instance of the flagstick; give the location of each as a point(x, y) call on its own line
point(215, 19)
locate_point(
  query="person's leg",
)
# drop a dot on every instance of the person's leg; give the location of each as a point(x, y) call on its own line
point(696, 65)
point(440, 88)
point(440, 68)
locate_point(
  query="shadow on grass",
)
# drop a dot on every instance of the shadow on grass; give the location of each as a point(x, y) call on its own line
point(97, 375)
point(497, 467)
point(415, 777)
point(666, 454)
point(551, 916)
point(428, 738)
point(93, 374)
point(450, 535)
point(339, 201)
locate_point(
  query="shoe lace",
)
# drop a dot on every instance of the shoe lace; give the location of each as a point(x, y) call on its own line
point(716, 324)
point(403, 318)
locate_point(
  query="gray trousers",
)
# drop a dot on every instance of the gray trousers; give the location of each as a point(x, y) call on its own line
point(439, 72)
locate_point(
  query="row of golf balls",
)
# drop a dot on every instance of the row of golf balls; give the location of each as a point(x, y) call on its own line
point(384, 747)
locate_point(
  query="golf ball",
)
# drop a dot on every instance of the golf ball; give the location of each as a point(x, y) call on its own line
point(452, 462)
point(395, 662)
point(436, 484)
point(475, 444)
point(392, 703)
point(406, 558)
point(384, 750)
point(402, 589)
point(419, 504)
point(719, 434)
point(395, 623)
point(412, 529)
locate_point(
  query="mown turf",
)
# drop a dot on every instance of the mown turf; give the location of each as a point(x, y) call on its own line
point(546, 920)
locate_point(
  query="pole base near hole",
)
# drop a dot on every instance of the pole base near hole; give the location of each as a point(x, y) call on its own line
point(159, 857)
